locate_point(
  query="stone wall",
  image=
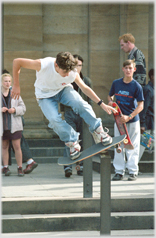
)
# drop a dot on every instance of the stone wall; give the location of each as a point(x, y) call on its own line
point(91, 30)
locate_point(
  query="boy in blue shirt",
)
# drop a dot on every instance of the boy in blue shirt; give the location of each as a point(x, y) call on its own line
point(129, 96)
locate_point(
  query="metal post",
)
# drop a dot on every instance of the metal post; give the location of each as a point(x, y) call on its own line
point(87, 164)
point(105, 202)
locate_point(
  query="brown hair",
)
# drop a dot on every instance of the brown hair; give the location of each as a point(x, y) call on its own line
point(128, 62)
point(127, 37)
point(66, 61)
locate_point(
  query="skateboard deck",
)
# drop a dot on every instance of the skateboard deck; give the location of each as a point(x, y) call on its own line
point(91, 151)
point(122, 127)
point(146, 142)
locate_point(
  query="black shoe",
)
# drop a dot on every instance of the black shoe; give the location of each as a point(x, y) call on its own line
point(132, 177)
point(68, 173)
point(80, 172)
point(117, 177)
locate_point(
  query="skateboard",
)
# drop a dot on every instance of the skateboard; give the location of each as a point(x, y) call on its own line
point(146, 142)
point(91, 151)
point(122, 128)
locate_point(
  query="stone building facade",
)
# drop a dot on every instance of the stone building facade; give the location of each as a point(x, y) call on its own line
point(37, 30)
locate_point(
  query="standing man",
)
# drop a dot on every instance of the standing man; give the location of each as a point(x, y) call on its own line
point(147, 115)
point(127, 43)
point(53, 86)
point(73, 118)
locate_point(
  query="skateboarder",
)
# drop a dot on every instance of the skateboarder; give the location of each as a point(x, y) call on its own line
point(129, 97)
point(52, 86)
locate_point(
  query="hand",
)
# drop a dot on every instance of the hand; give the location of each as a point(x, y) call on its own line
point(124, 118)
point(108, 108)
point(4, 109)
point(142, 129)
point(15, 92)
point(11, 110)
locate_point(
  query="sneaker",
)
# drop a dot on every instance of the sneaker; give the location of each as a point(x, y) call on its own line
point(6, 171)
point(132, 177)
point(68, 173)
point(74, 149)
point(30, 167)
point(80, 172)
point(117, 177)
point(100, 135)
point(20, 171)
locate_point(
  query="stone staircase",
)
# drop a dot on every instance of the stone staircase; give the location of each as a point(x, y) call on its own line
point(75, 215)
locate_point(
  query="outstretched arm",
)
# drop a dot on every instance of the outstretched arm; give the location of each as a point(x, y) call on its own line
point(17, 65)
point(92, 95)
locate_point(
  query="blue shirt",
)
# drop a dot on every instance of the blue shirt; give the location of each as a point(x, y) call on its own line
point(127, 95)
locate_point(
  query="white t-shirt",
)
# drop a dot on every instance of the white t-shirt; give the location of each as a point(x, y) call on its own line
point(48, 82)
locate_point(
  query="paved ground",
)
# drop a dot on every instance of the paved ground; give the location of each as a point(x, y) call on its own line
point(48, 180)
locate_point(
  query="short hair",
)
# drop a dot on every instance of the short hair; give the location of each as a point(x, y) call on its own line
point(128, 62)
point(151, 73)
point(127, 37)
point(78, 57)
point(66, 61)
point(6, 75)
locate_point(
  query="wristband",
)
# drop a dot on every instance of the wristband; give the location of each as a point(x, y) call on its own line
point(130, 116)
point(99, 103)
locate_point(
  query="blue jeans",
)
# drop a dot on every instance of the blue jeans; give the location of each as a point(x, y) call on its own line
point(68, 96)
point(76, 122)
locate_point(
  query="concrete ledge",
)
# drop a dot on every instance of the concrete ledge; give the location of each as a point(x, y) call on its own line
point(84, 205)
point(76, 222)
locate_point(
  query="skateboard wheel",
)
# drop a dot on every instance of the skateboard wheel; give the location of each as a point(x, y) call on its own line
point(118, 150)
point(77, 167)
point(125, 141)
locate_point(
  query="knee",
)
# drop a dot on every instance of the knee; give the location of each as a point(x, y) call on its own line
point(55, 121)
point(5, 145)
point(80, 106)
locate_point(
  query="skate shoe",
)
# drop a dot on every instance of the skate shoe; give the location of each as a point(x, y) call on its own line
point(100, 135)
point(74, 149)
point(6, 171)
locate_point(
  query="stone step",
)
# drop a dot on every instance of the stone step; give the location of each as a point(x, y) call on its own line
point(76, 222)
point(27, 206)
point(144, 166)
point(147, 156)
point(46, 151)
point(45, 142)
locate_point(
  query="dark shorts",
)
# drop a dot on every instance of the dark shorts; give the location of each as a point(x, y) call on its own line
point(7, 135)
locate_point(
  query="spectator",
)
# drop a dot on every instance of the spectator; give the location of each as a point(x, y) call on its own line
point(26, 153)
point(129, 97)
point(12, 110)
point(127, 43)
point(73, 119)
point(147, 114)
